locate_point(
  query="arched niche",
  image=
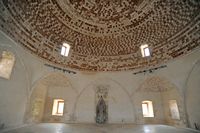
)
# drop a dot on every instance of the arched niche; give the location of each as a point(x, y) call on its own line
point(118, 102)
point(192, 96)
point(160, 91)
point(44, 92)
point(101, 111)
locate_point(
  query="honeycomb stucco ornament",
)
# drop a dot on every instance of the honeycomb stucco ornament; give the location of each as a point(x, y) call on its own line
point(105, 35)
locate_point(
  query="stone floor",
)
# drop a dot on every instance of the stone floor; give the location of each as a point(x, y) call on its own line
point(89, 128)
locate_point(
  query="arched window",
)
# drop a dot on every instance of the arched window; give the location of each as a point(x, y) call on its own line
point(147, 109)
point(7, 61)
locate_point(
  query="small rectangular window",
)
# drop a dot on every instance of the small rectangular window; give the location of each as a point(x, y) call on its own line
point(147, 109)
point(58, 107)
point(65, 49)
point(145, 50)
point(174, 109)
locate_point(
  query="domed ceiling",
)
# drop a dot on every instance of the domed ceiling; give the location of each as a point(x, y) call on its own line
point(105, 35)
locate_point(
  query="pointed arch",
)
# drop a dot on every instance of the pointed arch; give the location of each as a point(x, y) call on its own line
point(45, 90)
point(114, 88)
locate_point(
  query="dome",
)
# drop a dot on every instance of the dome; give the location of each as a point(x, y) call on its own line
point(104, 35)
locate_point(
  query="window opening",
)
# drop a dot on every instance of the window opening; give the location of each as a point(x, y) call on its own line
point(145, 50)
point(58, 107)
point(147, 109)
point(7, 61)
point(65, 49)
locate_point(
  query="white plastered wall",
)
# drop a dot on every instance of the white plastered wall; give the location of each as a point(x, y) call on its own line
point(192, 96)
point(29, 69)
point(13, 91)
